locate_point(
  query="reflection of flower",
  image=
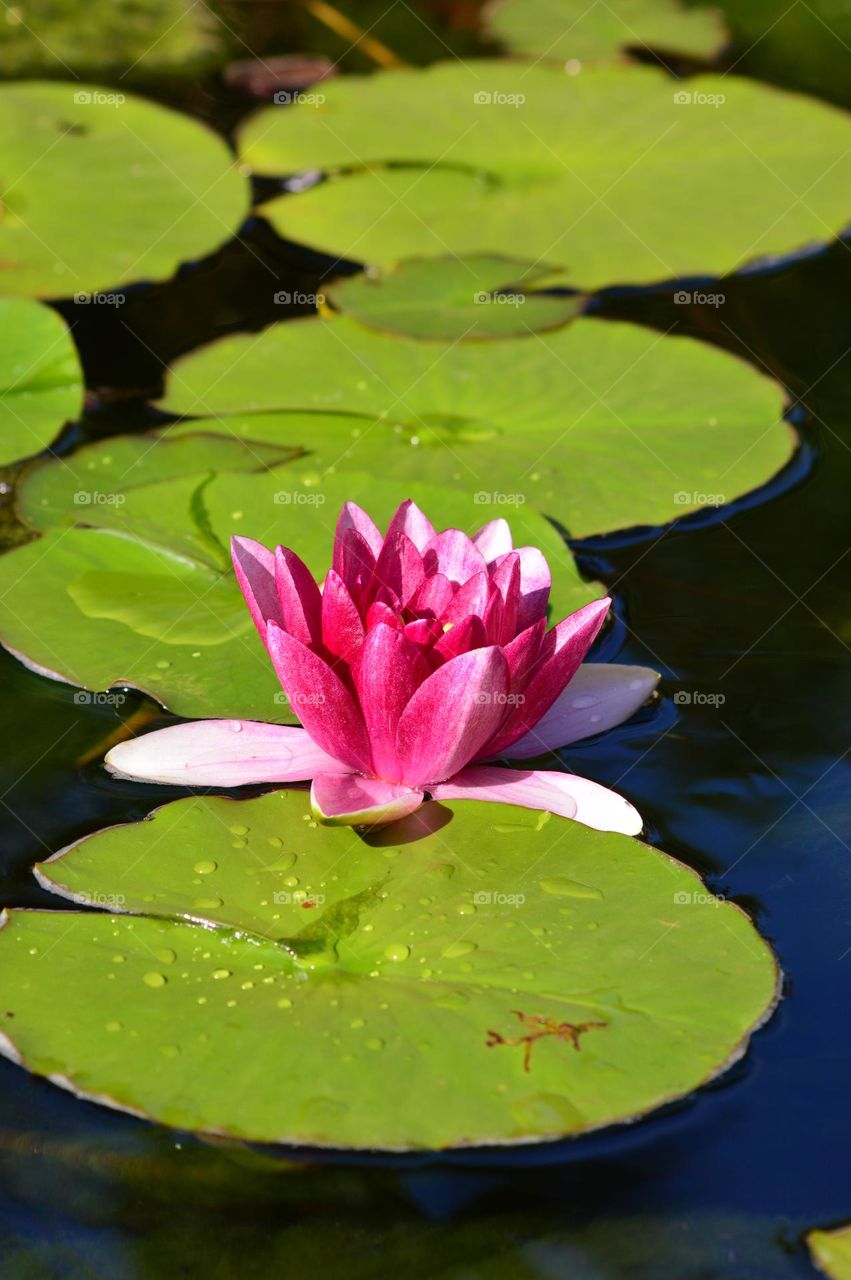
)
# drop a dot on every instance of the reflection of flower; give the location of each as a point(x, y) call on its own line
point(421, 653)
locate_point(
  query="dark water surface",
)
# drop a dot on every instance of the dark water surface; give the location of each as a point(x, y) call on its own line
point(750, 603)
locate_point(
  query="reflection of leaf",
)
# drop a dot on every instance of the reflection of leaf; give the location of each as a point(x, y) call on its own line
point(369, 1028)
point(41, 383)
point(480, 296)
point(189, 608)
point(604, 171)
point(562, 30)
point(103, 151)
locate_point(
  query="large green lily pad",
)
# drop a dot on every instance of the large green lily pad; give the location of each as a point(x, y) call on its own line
point(101, 188)
point(145, 595)
point(41, 383)
point(618, 174)
point(601, 426)
point(480, 296)
point(573, 29)
point(831, 1252)
point(509, 977)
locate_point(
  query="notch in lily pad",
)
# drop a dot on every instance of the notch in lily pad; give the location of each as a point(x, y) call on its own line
point(480, 295)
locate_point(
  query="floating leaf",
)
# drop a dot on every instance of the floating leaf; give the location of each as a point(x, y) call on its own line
point(100, 187)
point(602, 426)
point(618, 173)
point(572, 29)
point(41, 383)
point(480, 296)
point(831, 1252)
point(146, 595)
point(521, 977)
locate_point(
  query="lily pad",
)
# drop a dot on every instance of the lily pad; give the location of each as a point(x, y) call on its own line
point(602, 426)
point(618, 173)
point(572, 29)
point(146, 596)
point(41, 383)
point(100, 188)
point(64, 490)
point(480, 296)
point(521, 977)
point(831, 1252)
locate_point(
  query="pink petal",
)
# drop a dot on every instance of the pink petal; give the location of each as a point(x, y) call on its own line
point(254, 566)
point(452, 715)
point(494, 539)
point(423, 631)
point(342, 629)
point(221, 753)
point(465, 635)
point(320, 700)
point(501, 617)
point(600, 696)
point(350, 800)
point(561, 652)
point(355, 563)
point(387, 674)
point(399, 568)
point(472, 597)
point(562, 793)
point(353, 517)
point(433, 595)
point(411, 521)
point(300, 601)
point(535, 582)
point(521, 654)
point(380, 612)
point(453, 554)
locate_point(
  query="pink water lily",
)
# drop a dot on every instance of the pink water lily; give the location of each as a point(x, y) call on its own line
point(421, 659)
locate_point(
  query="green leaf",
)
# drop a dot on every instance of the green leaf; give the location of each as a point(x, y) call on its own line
point(100, 188)
point(565, 30)
point(606, 172)
point(41, 383)
point(480, 296)
point(831, 1252)
point(508, 977)
point(601, 426)
point(146, 596)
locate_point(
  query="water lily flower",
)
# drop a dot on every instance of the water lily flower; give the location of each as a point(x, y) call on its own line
point(421, 660)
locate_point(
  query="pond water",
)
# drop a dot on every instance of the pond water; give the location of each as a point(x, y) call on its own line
point(745, 610)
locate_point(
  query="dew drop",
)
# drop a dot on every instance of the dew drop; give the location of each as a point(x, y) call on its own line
point(114, 1026)
point(165, 955)
point(218, 974)
point(465, 909)
point(455, 950)
point(170, 1050)
point(208, 903)
point(284, 1003)
point(374, 1042)
point(397, 951)
point(584, 701)
point(205, 868)
point(118, 958)
point(154, 979)
point(562, 887)
point(356, 1024)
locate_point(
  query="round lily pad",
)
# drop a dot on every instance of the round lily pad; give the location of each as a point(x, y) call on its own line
point(520, 976)
point(480, 296)
point(41, 382)
point(619, 173)
point(571, 29)
point(145, 595)
point(831, 1252)
point(100, 188)
point(601, 426)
